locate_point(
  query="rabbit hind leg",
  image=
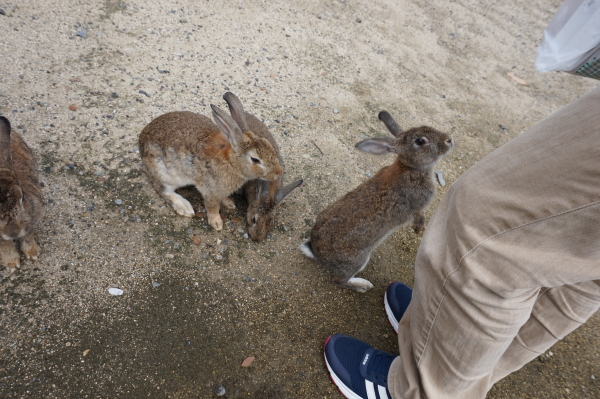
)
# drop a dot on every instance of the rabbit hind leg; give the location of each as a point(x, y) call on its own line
point(347, 280)
point(165, 183)
point(228, 203)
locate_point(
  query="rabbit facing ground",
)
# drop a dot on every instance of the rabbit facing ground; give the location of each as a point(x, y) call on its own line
point(262, 196)
point(186, 149)
point(20, 198)
point(346, 233)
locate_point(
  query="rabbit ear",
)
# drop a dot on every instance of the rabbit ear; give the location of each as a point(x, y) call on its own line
point(284, 191)
point(262, 188)
point(227, 126)
point(390, 123)
point(378, 145)
point(5, 157)
point(236, 109)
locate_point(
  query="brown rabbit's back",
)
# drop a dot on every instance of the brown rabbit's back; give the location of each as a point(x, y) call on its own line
point(367, 214)
point(183, 131)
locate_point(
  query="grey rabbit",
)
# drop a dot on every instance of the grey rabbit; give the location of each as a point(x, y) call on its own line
point(346, 233)
point(20, 197)
point(262, 196)
point(183, 148)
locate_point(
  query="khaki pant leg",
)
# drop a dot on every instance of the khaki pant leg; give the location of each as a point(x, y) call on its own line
point(527, 216)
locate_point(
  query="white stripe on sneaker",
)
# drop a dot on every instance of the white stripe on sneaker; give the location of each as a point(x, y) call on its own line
point(382, 392)
point(370, 390)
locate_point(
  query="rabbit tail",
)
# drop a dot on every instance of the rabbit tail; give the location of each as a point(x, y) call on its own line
point(306, 249)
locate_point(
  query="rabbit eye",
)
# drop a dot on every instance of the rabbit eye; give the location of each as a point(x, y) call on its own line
point(255, 160)
point(253, 219)
point(421, 141)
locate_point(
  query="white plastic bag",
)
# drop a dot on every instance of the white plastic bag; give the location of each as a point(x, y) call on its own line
point(571, 38)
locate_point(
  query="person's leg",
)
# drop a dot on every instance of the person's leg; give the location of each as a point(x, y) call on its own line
point(557, 312)
point(526, 216)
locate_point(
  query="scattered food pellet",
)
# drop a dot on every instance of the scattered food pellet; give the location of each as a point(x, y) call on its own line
point(170, 256)
point(115, 291)
point(85, 352)
point(197, 240)
point(68, 344)
point(73, 107)
point(248, 361)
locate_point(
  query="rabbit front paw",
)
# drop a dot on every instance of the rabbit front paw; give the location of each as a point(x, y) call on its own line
point(29, 247)
point(9, 256)
point(215, 221)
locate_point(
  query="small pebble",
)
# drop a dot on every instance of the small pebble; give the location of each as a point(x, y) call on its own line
point(118, 201)
point(115, 291)
point(220, 390)
point(368, 173)
point(156, 284)
point(246, 235)
point(2, 12)
point(335, 111)
point(144, 93)
point(197, 240)
point(81, 33)
point(73, 107)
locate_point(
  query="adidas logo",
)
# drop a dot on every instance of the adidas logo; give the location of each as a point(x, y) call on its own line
point(365, 359)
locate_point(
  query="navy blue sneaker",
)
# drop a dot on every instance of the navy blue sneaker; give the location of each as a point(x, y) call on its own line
point(358, 370)
point(396, 300)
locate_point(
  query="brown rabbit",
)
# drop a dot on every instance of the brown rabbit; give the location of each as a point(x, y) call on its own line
point(183, 148)
point(346, 233)
point(262, 196)
point(20, 197)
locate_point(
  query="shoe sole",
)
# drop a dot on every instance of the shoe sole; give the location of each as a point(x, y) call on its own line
point(390, 314)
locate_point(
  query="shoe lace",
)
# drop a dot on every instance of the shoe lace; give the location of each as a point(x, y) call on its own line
point(379, 366)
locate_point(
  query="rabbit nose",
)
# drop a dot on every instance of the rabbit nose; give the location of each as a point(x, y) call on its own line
point(450, 142)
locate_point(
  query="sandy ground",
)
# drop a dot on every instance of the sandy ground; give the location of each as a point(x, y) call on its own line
point(317, 72)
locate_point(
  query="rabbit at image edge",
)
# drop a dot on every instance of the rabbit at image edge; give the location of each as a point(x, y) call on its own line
point(345, 234)
point(20, 198)
point(186, 149)
point(262, 196)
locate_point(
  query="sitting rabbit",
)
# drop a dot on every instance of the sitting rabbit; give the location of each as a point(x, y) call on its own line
point(20, 197)
point(262, 196)
point(346, 233)
point(183, 148)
